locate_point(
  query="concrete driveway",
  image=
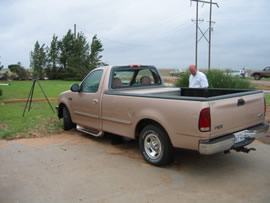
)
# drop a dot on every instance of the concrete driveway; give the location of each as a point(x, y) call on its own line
point(71, 167)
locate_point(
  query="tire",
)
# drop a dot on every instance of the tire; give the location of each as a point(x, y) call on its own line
point(155, 145)
point(257, 77)
point(68, 124)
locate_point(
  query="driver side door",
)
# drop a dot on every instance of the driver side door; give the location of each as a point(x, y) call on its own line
point(86, 105)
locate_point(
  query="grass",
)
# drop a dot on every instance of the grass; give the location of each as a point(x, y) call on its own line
point(40, 119)
point(267, 98)
point(21, 89)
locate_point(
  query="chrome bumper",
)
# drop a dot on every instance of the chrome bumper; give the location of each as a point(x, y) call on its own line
point(227, 142)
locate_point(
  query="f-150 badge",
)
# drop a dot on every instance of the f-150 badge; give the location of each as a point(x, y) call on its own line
point(218, 127)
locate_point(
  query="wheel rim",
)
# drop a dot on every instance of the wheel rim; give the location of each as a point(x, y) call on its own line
point(152, 146)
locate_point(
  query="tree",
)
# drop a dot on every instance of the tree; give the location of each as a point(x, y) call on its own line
point(85, 57)
point(69, 58)
point(79, 60)
point(1, 66)
point(66, 49)
point(38, 60)
point(95, 56)
point(52, 65)
point(19, 70)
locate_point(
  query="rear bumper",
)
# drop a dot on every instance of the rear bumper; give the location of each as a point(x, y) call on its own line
point(227, 142)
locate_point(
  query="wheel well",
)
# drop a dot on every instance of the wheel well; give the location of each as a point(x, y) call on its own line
point(144, 123)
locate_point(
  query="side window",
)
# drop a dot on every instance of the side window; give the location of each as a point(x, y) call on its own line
point(91, 83)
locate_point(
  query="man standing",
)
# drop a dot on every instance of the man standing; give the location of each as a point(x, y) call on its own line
point(197, 79)
point(243, 73)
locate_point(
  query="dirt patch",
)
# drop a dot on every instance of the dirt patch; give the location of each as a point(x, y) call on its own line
point(262, 87)
point(3, 143)
point(3, 126)
point(170, 79)
point(66, 137)
point(127, 149)
point(261, 84)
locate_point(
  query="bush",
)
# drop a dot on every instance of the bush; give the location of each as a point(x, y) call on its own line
point(183, 80)
point(217, 79)
point(0, 92)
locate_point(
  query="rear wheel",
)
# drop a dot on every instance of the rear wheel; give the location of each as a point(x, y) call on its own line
point(257, 77)
point(68, 124)
point(155, 145)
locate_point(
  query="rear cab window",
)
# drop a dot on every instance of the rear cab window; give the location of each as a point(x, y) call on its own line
point(131, 77)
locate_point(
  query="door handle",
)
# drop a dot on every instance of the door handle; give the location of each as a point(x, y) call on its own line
point(241, 102)
point(95, 101)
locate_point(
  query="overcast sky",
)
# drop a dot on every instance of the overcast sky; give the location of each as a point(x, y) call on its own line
point(154, 32)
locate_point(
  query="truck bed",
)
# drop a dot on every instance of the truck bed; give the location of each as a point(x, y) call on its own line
point(194, 94)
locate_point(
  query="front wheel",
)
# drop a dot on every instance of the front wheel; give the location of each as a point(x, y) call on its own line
point(68, 124)
point(155, 145)
point(257, 77)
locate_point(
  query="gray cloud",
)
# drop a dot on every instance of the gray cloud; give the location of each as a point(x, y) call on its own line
point(154, 32)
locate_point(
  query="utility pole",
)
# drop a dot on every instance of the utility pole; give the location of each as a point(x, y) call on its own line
point(75, 35)
point(210, 30)
point(197, 24)
point(203, 34)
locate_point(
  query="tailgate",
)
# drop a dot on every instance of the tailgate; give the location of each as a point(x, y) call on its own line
point(236, 113)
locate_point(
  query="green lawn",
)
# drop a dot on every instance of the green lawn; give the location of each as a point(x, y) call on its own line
point(40, 120)
point(21, 89)
point(267, 98)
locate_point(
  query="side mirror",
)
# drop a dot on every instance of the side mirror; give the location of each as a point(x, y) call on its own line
point(75, 88)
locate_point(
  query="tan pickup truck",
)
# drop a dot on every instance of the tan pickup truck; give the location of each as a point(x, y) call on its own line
point(131, 101)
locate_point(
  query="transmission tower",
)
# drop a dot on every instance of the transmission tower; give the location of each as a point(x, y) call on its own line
point(209, 30)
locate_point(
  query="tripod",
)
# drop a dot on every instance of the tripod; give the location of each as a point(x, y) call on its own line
point(30, 96)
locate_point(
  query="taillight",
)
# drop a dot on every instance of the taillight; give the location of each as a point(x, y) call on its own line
point(205, 120)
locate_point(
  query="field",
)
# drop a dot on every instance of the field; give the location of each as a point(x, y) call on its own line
point(40, 119)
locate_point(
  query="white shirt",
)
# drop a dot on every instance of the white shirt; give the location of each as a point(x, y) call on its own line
point(198, 81)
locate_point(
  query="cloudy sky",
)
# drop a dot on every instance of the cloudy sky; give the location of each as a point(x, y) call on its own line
point(155, 32)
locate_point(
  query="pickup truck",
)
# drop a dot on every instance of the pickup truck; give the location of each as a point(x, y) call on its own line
point(265, 73)
point(131, 101)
